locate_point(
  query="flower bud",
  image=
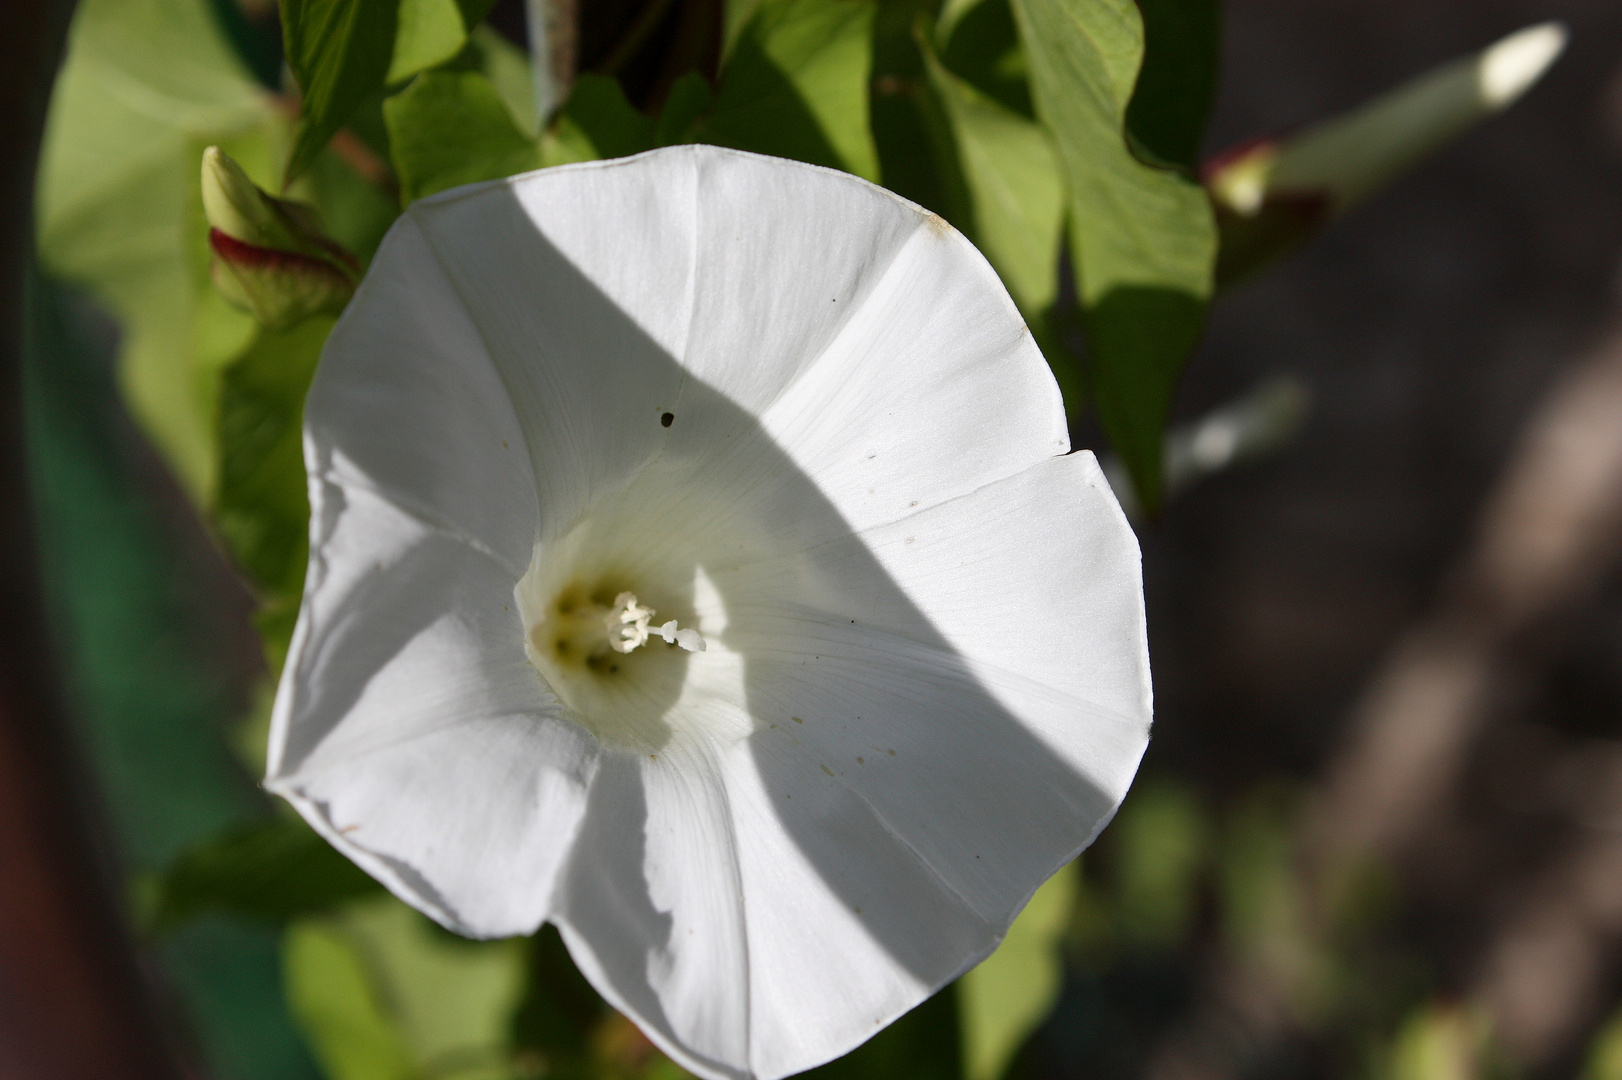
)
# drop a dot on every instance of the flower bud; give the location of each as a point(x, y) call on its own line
point(1270, 194)
point(270, 255)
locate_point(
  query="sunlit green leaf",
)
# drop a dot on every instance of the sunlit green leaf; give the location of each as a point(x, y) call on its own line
point(119, 208)
point(384, 994)
point(1013, 181)
point(331, 992)
point(795, 85)
point(430, 32)
point(340, 52)
point(271, 871)
point(451, 127)
point(344, 52)
point(1012, 991)
point(1142, 238)
point(507, 68)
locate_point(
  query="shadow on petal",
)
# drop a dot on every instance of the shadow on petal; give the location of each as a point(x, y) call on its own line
point(893, 736)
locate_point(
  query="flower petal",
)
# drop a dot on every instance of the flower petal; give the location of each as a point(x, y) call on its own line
point(652, 905)
point(717, 932)
point(411, 730)
point(925, 683)
point(864, 337)
point(1007, 662)
point(407, 401)
point(580, 281)
point(933, 388)
point(925, 755)
point(786, 255)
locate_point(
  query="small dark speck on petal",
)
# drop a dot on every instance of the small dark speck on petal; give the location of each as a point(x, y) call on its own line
point(667, 419)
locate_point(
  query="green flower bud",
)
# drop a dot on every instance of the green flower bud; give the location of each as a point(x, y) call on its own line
point(270, 255)
point(1271, 194)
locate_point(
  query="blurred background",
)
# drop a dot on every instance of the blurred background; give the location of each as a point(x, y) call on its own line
point(1378, 832)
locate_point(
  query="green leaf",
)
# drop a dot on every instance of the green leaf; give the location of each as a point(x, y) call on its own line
point(270, 871)
point(1014, 185)
point(261, 507)
point(384, 994)
point(979, 42)
point(430, 32)
point(344, 52)
point(1012, 991)
point(1177, 86)
point(1160, 846)
point(451, 127)
point(1436, 1041)
point(1138, 337)
point(1603, 1058)
point(145, 86)
point(795, 85)
point(329, 988)
point(560, 1010)
point(597, 121)
point(689, 97)
point(1143, 238)
point(507, 68)
point(340, 52)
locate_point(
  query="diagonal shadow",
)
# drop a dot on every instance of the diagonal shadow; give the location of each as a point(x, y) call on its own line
point(867, 757)
point(871, 644)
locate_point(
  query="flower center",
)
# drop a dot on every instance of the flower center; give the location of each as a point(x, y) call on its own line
point(580, 630)
point(591, 606)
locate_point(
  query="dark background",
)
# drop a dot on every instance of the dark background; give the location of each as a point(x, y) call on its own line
point(1428, 324)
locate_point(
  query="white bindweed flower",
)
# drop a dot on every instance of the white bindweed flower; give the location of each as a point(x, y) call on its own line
point(696, 564)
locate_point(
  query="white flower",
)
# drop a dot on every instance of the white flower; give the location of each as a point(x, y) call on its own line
point(898, 674)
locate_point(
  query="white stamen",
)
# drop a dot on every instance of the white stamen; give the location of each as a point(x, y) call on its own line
point(628, 627)
point(627, 623)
